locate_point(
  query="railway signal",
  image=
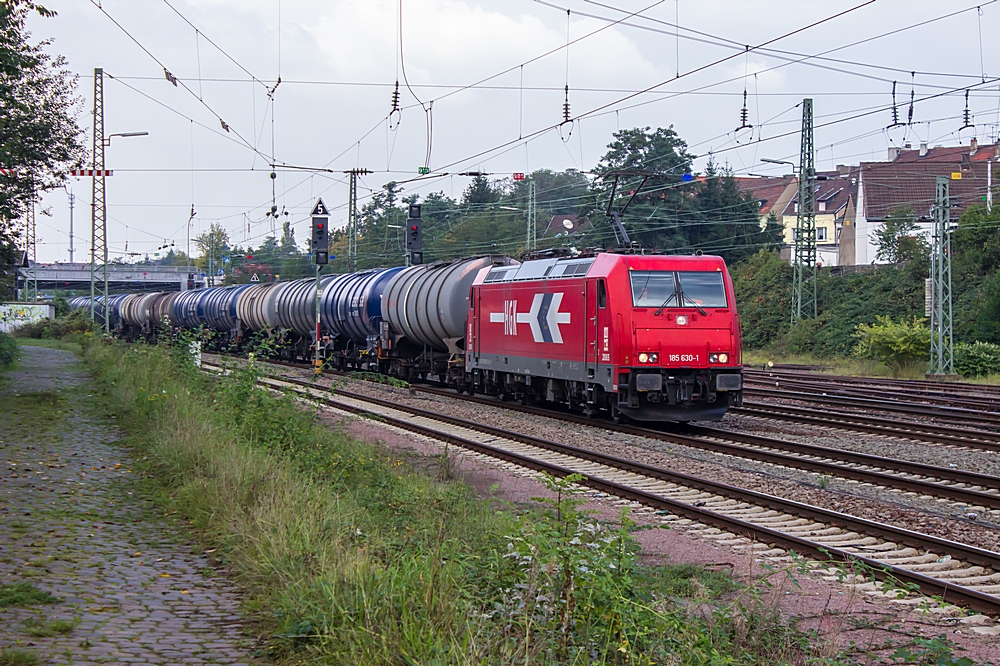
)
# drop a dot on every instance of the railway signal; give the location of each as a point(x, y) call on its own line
point(415, 235)
point(321, 255)
point(320, 233)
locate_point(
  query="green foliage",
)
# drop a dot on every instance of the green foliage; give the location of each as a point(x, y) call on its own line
point(24, 594)
point(898, 237)
point(39, 136)
point(12, 657)
point(8, 351)
point(977, 359)
point(938, 651)
point(76, 323)
point(42, 628)
point(353, 556)
point(894, 343)
point(763, 286)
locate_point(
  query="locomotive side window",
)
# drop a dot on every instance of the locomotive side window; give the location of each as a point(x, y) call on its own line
point(703, 288)
point(653, 289)
point(602, 294)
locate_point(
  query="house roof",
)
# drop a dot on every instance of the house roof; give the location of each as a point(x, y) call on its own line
point(765, 189)
point(835, 191)
point(911, 184)
point(952, 154)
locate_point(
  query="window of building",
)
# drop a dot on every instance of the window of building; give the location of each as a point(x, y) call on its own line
point(821, 233)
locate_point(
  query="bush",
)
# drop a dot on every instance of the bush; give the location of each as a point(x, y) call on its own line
point(8, 351)
point(76, 322)
point(977, 359)
point(897, 344)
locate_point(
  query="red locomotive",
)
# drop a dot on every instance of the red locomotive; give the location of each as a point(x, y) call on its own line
point(651, 337)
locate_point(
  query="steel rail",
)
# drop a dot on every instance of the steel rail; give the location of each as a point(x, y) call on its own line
point(985, 404)
point(947, 591)
point(976, 498)
point(930, 432)
point(956, 414)
point(966, 388)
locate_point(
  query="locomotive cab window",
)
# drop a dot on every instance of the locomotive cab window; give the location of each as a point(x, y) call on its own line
point(602, 294)
point(653, 289)
point(702, 288)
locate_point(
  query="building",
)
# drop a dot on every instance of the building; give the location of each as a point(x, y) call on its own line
point(907, 181)
point(836, 193)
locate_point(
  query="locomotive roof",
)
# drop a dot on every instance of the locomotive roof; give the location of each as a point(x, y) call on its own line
point(602, 264)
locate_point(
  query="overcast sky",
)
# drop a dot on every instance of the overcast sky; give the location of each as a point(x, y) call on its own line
point(339, 61)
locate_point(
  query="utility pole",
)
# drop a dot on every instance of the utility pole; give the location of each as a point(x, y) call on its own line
point(804, 262)
point(99, 211)
point(532, 233)
point(942, 354)
point(352, 216)
point(31, 247)
point(72, 200)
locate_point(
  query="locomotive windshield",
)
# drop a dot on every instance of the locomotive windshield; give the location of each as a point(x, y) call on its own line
point(666, 289)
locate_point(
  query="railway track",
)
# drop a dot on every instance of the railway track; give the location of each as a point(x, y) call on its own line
point(909, 385)
point(959, 416)
point(979, 492)
point(958, 573)
point(928, 432)
point(884, 393)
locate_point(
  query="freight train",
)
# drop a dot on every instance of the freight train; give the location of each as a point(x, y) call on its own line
point(641, 336)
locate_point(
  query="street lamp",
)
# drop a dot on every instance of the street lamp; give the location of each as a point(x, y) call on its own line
point(770, 161)
point(107, 140)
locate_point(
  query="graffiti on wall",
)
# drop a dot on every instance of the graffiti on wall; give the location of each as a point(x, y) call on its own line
point(13, 315)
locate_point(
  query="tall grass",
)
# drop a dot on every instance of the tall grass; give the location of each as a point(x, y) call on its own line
point(349, 556)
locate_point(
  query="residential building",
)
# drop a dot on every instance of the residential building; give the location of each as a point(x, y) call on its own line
point(907, 181)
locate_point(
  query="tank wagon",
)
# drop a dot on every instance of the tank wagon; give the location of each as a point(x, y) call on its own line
point(647, 337)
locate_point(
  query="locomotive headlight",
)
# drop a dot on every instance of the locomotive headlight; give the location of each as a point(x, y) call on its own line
point(723, 358)
point(653, 358)
point(682, 320)
point(643, 358)
point(713, 358)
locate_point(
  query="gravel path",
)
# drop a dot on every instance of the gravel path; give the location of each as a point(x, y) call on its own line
point(76, 523)
point(932, 516)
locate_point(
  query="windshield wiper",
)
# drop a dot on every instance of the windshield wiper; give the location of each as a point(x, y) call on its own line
point(685, 297)
point(662, 307)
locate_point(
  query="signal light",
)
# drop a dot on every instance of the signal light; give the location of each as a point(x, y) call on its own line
point(320, 241)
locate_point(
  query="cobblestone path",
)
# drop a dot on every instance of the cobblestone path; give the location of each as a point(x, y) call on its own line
point(75, 523)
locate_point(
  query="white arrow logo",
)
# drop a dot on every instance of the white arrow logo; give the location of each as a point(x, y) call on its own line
point(543, 318)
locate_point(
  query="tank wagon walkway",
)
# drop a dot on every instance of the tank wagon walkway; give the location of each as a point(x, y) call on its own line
point(76, 524)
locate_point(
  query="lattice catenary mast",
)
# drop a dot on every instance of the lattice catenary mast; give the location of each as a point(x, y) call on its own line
point(942, 355)
point(804, 262)
point(99, 211)
point(352, 216)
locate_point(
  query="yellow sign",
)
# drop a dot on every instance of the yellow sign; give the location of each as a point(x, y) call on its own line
point(956, 175)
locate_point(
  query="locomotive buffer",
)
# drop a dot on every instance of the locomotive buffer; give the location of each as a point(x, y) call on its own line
point(321, 256)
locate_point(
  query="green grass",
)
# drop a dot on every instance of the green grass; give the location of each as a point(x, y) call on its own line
point(47, 629)
point(66, 345)
point(17, 657)
point(347, 554)
point(24, 594)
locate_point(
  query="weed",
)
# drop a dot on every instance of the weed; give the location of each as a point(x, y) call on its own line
point(24, 594)
point(824, 481)
point(17, 657)
point(44, 629)
point(350, 556)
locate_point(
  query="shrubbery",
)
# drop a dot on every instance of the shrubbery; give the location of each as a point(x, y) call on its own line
point(896, 344)
point(977, 359)
point(8, 351)
point(76, 322)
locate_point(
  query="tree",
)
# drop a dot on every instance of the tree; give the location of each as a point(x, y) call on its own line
point(39, 137)
point(898, 237)
point(214, 245)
